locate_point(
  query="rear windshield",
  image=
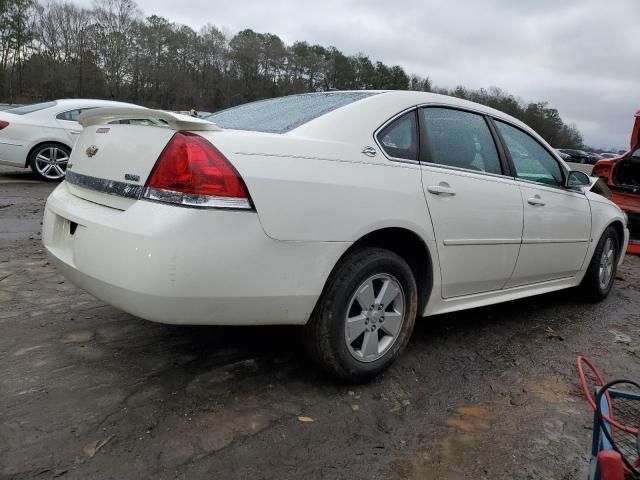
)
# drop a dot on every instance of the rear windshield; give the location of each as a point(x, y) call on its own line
point(31, 108)
point(283, 114)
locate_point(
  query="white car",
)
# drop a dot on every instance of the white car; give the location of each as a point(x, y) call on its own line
point(41, 136)
point(348, 212)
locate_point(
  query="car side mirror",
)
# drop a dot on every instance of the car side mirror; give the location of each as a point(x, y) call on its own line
point(577, 179)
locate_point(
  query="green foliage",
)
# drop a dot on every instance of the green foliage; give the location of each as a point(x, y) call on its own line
point(57, 49)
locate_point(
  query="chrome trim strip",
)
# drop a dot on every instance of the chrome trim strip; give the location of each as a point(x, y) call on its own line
point(104, 185)
point(137, 192)
point(509, 241)
point(482, 241)
point(532, 241)
point(190, 200)
point(552, 188)
point(467, 170)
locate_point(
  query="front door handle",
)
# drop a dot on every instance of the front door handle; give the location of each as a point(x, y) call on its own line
point(536, 201)
point(443, 188)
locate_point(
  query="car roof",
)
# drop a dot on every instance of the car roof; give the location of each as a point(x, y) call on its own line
point(66, 104)
point(385, 104)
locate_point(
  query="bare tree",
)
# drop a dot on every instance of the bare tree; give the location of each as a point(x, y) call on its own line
point(112, 39)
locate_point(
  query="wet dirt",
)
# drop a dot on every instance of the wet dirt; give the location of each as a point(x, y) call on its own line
point(87, 391)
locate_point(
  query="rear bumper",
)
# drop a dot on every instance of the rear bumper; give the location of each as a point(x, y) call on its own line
point(186, 266)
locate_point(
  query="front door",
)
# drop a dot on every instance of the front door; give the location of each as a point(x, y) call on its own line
point(475, 209)
point(557, 220)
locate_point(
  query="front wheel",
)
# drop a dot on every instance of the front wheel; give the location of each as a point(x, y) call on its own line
point(365, 315)
point(598, 280)
point(49, 161)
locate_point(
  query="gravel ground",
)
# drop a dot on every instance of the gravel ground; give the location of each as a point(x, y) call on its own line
point(87, 391)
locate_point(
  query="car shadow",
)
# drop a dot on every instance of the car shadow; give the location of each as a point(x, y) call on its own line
point(24, 174)
point(276, 353)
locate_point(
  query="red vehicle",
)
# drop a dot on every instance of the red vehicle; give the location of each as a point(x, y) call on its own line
point(622, 175)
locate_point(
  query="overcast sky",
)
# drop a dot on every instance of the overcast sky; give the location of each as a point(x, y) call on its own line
point(582, 56)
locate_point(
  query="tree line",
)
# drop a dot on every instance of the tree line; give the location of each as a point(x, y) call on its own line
point(60, 50)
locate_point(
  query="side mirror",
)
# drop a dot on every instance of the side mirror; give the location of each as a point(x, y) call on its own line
point(577, 179)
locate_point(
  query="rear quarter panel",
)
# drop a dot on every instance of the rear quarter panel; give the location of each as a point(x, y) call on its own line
point(316, 190)
point(17, 140)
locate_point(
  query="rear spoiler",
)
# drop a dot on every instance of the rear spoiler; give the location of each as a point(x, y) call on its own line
point(175, 121)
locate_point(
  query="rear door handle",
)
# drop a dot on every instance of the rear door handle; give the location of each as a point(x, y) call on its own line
point(536, 201)
point(443, 188)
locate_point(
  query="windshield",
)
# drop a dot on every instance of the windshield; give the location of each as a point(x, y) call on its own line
point(283, 114)
point(31, 108)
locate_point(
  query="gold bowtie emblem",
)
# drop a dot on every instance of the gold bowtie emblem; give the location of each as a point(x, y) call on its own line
point(91, 151)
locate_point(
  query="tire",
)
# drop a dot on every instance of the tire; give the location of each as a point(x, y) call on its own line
point(333, 342)
point(48, 161)
point(598, 280)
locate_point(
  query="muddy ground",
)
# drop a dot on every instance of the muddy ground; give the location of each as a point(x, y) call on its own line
point(87, 391)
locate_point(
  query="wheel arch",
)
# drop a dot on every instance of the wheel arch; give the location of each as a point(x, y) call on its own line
point(408, 245)
point(39, 144)
point(619, 228)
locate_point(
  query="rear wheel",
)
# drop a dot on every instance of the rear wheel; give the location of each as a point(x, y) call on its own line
point(365, 315)
point(49, 161)
point(598, 280)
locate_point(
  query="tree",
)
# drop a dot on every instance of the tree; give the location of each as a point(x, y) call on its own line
point(112, 31)
point(58, 50)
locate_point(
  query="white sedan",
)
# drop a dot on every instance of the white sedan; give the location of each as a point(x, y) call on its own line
point(351, 213)
point(41, 136)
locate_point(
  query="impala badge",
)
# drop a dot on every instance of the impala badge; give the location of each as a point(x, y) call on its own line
point(91, 151)
point(369, 151)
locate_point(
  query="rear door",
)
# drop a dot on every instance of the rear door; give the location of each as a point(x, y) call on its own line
point(557, 220)
point(475, 207)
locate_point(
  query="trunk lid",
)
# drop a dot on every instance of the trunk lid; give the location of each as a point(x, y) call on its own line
point(111, 161)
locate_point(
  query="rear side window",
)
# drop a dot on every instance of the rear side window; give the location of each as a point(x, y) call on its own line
point(530, 159)
point(460, 139)
point(36, 107)
point(283, 114)
point(399, 139)
point(72, 115)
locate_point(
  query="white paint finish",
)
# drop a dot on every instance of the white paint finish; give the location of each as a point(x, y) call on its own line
point(184, 265)
point(297, 199)
point(603, 213)
point(123, 149)
point(315, 193)
point(556, 234)
point(26, 131)
point(469, 224)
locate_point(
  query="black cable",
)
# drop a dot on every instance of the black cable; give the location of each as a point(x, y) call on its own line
point(603, 427)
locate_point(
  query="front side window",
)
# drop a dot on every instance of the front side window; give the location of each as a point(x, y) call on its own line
point(531, 160)
point(399, 139)
point(460, 139)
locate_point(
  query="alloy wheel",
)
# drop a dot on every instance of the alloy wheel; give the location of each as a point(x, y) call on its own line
point(51, 162)
point(607, 263)
point(374, 317)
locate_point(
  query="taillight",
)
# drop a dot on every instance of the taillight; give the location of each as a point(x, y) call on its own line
point(3, 124)
point(191, 171)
